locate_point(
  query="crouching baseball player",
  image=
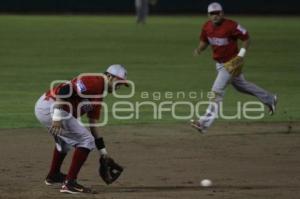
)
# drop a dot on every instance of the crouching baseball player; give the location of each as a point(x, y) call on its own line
point(222, 35)
point(58, 110)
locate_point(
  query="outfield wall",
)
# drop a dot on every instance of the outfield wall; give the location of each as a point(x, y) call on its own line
point(162, 6)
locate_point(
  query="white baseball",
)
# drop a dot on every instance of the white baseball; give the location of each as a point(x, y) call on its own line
point(206, 183)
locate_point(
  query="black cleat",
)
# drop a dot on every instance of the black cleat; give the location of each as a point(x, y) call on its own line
point(57, 178)
point(72, 187)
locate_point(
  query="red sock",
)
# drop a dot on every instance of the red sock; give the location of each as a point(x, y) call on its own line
point(57, 161)
point(79, 157)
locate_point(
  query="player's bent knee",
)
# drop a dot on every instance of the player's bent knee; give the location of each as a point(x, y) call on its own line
point(218, 96)
point(87, 142)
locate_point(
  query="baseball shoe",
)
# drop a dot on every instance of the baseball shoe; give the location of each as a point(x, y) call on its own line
point(57, 178)
point(72, 187)
point(272, 107)
point(197, 125)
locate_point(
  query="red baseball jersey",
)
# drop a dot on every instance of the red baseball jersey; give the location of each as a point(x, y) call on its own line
point(223, 39)
point(92, 87)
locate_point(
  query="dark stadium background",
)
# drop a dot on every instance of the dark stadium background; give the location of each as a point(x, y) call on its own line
point(161, 7)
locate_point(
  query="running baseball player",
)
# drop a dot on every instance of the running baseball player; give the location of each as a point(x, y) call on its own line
point(222, 35)
point(58, 110)
point(142, 10)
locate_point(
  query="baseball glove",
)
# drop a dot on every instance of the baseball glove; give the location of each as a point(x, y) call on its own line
point(109, 170)
point(234, 66)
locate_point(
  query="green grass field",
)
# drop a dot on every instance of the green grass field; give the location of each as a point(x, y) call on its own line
point(38, 49)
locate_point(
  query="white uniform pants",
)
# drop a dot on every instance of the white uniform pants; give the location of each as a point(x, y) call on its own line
point(240, 84)
point(74, 134)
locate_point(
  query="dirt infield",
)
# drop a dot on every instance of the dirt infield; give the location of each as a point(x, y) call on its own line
point(253, 160)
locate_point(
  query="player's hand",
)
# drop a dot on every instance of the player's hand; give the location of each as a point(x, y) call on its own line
point(196, 52)
point(56, 128)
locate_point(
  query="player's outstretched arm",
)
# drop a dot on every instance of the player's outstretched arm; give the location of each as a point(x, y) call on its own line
point(108, 170)
point(202, 46)
point(95, 131)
